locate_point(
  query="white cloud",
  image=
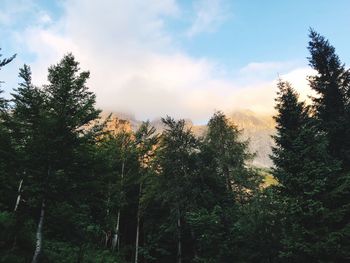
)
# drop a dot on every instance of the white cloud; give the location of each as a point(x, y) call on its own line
point(44, 18)
point(298, 79)
point(209, 15)
point(136, 67)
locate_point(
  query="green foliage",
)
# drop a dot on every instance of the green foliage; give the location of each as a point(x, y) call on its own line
point(332, 113)
point(332, 104)
point(63, 252)
point(259, 227)
point(5, 61)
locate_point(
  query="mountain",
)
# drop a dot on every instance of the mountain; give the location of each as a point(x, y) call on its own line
point(255, 127)
point(258, 129)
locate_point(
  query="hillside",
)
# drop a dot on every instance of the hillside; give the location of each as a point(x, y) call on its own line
point(256, 128)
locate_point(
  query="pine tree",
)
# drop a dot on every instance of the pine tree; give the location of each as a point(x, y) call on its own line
point(7, 153)
point(291, 119)
point(8, 182)
point(52, 127)
point(176, 165)
point(71, 107)
point(146, 142)
point(28, 125)
point(4, 62)
point(231, 156)
point(304, 169)
point(332, 104)
point(27, 122)
point(332, 107)
point(228, 183)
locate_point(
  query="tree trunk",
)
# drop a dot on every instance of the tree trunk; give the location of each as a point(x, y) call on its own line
point(39, 237)
point(116, 238)
point(138, 226)
point(19, 192)
point(108, 200)
point(228, 179)
point(137, 238)
point(195, 254)
point(179, 246)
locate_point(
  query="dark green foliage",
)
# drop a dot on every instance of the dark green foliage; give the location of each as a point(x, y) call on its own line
point(227, 185)
point(230, 156)
point(176, 160)
point(332, 105)
point(332, 112)
point(5, 61)
point(306, 172)
point(259, 228)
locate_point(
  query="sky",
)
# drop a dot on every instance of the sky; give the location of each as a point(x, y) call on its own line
point(180, 58)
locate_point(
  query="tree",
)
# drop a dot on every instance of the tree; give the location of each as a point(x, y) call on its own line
point(227, 184)
point(230, 155)
point(4, 62)
point(28, 133)
point(8, 180)
point(68, 110)
point(332, 110)
point(176, 167)
point(304, 169)
point(28, 122)
point(332, 104)
point(6, 148)
point(146, 142)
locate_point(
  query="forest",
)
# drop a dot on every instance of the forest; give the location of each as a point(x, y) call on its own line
point(74, 191)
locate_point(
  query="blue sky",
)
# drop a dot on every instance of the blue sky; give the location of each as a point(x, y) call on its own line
point(184, 58)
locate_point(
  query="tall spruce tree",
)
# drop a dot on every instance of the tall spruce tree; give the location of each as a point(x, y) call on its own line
point(176, 161)
point(7, 165)
point(228, 182)
point(69, 109)
point(8, 180)
point(146, 141)
point(332, 108)
point(303, 168)
point(29, 130)
point(332, 104)
point(231, 156)
point(28, 123)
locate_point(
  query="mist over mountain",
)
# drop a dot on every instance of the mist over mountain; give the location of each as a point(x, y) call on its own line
point(257, 128)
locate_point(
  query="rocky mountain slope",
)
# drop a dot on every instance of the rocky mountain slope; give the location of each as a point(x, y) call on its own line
point(255, 127)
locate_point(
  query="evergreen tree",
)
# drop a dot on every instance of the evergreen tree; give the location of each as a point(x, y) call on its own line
point(228, 183)
point(6, 149)
point(28, 124)
point(332, 107)
point(259, 226)
point(4, 62)
point(231, 156)
point(69, 109)
point(332, 104)
point(176, 165)
point(8, 182)
point(303, 169)
point(146, 142)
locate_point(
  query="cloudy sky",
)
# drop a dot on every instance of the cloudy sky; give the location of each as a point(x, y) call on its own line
point(177, 57)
